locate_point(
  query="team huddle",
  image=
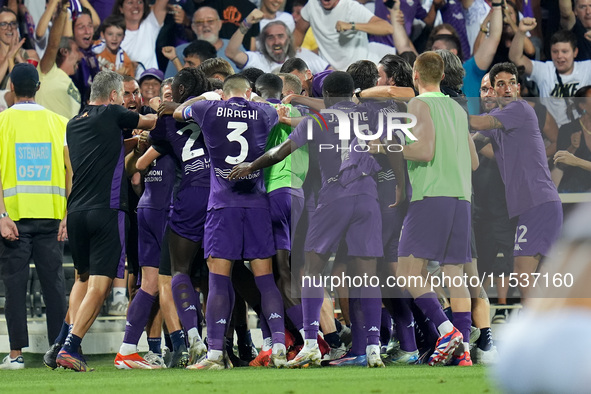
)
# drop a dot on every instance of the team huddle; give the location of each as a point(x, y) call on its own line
point(231, 176)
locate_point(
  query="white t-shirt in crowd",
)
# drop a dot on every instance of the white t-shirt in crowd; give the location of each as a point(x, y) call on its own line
point(140, 44)
point(315, 63)
point(551, 94)
point(474, 16)
point(284, 17)
point(342, 49)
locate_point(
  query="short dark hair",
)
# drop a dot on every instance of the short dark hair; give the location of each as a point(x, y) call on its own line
point(364, 73)
point(202, 49)
point(6, 9)
point(215, 83)
point(433, 36)
point(252, 74)
point(194, 81)
point(338, 84)
point(269, 86)
point(216, 65)
point(564, 36)
point(398, 69)
point(507, 67)
point(114, 20)
point(451, 42)
point(294, 64)
point(129, 78)
point(84, 11)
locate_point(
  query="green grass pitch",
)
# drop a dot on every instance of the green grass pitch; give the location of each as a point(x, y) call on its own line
point(106, 379)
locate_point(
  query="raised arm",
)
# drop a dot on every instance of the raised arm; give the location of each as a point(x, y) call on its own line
point(96, 19)
point(376, 26)
point(424, 148)
point(567, 16)
point(485, 53)
point(272, 156)
point(43, 23)
point(300, 31)
point(233, 49)
point(402, 42)
point(159, 9)
point(55, 35)
point(516, 51)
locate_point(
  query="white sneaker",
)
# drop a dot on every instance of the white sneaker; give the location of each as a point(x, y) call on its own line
point(197, 349)
point(306, 357)
point(374, 358)
point(13, 363)
point(154, 359)
point(278, 360)
point(337, 352)
point(488, 357)
point(118, 308)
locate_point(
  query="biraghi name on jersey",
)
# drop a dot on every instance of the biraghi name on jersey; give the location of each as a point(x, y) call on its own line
point(237, 113)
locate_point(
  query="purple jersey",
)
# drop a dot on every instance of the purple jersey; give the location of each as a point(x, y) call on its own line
point(235, 131)
point(159, 183)
point(318, 82)
point(521, 157)
point(453, 13)
point(344, 169)
point(185, 140)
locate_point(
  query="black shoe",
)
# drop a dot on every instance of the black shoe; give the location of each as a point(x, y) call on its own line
point(246, 351)
point(50, 356)
point(180, 358)
point(229, 355)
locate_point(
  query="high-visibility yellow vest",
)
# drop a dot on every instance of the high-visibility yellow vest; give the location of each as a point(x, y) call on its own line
point(32, 164)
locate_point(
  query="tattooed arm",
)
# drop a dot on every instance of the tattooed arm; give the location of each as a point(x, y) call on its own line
point(484, 122)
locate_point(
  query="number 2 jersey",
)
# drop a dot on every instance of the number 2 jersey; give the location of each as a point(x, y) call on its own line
point(185, 142)
point(235, 131)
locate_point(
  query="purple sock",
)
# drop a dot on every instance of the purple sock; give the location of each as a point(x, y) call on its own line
point(272, 306)
point(463, 321)
point(295, 315)
point(405, 321)
point(220, 303)
point(371, 304)
point(312, 299)
point(429, 304)
point(357, 332)
point(186, 301)
point(386, 327)
point(265, 330)
point(137, 316)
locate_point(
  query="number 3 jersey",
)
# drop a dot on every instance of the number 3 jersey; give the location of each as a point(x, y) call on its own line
point(235, 131)
point(185, 142)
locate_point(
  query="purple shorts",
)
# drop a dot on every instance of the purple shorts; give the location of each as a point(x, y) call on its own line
point(189, 211)
point(284, 206)
point(437, 228)
point(392, 220)
point(355, 218)
point(151, 226)
point(537, 229)
point(239, 234)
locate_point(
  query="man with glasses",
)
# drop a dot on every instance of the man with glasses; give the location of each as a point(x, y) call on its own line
point(206, 25)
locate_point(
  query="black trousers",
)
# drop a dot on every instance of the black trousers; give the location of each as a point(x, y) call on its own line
point(37, 239)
